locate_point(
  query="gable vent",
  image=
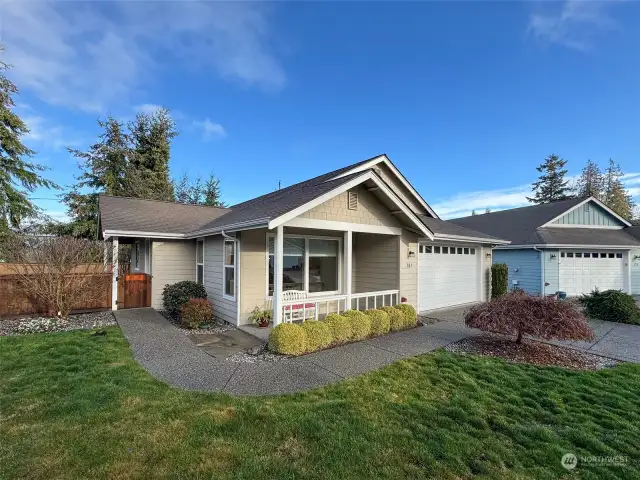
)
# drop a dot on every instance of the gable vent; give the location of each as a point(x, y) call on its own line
point(352, 201)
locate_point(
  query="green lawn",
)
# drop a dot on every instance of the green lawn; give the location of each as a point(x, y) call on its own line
point(77, 406)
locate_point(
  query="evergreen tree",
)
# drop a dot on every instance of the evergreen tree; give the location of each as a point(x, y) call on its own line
point(18, 176)
point(551, 185)
point(151, 135)
point(473, 213)
point(591, 181)
point(487, 210)
point(104, 170)
point(615, 196)
point(197, 192)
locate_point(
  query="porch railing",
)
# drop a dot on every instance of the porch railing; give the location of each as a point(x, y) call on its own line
point(318, 307)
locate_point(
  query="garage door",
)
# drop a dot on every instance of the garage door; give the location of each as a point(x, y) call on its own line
point(448, 275)
point(582, 272)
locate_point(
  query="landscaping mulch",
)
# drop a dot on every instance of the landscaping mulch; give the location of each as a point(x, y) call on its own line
point(26, 325)
point(529, 351)
point(213, 327)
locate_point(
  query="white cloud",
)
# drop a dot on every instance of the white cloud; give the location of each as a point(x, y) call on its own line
point(44, 133)
point(148, 108)
point(461, 204)
point(210, 130)
point(572, 23)
point(93, 55)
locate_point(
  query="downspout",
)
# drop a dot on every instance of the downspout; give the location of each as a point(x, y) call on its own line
point(237, 272)
point(544, 280)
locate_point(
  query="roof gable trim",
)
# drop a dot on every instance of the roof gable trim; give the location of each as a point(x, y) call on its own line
point(384, 159)
point(369, 175)
point(586, 200)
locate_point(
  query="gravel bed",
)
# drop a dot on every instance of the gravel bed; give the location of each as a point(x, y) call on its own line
point(255, 355)
point(214, 327)
point(26, 325)
point(530, 351)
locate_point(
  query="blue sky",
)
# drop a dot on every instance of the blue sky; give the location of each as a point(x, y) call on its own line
point(465, 98)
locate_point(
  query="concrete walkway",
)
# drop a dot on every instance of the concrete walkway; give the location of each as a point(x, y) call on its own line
point(167, 353)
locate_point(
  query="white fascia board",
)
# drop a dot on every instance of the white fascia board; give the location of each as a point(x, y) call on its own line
point(384, 159)
point(563, 246)
point(589, 227)
point(369, 175)
point(232, 227)
point(493, 241)
point(342, 226)
point(586, 200)
point(130, 233)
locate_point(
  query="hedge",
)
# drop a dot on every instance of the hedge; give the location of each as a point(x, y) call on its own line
point(612, 306)
point(499, 279)
point(409, 313)
point(318, 335)
point(360, 324)
point(288, 339)
point(396, 318)
point(196, 312)
point(379, 321)
point(340, 327)
point(174, 296)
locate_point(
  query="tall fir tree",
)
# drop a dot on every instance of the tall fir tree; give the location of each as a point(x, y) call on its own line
point(591, 181)
point(197, 192)
point(18, 176)
point(104, 170)
point(551, 185)
point(151, 135)
point(615, 196)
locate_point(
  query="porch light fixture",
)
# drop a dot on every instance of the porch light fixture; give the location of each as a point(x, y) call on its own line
point(552, 256)
point(487, 255)
point(412, 253)
point(636, 257)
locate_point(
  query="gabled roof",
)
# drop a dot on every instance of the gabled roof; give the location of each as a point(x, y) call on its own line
point(443, 229)
point(524, 226)
point(128, 214)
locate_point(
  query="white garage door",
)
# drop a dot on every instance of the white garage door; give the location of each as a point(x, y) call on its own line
point(448, 275)
point(582, 272)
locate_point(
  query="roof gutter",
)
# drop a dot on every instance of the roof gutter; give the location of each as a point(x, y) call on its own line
point(248, 225)
point(132, 233)
point(567, 245)
point(493, 241)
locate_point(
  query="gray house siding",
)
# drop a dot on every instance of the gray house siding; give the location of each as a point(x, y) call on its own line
point(223, 308)
point(635, 271)
point(376, 265)
point(551, 269)
point(589, 214)
point(524, 268)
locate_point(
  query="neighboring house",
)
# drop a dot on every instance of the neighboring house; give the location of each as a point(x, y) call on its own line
point(358, 237)
point(574, 246)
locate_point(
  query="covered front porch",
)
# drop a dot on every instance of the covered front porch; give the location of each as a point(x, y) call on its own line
point(313, 272)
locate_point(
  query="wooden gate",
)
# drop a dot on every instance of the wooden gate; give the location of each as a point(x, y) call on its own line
point(134, 290)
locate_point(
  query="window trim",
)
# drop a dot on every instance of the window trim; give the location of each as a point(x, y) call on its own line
point(306, 263)
point(225, 295)
point(201, 239)
point(136, 247)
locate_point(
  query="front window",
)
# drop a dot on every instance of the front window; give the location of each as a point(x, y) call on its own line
point(229, 280)
point(200, 261)
point(321, 274)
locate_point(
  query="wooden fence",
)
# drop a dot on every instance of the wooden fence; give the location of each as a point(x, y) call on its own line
point(14, 301)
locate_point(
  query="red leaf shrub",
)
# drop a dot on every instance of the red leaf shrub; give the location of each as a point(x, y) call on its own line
point(195, 312)
point(519, 314)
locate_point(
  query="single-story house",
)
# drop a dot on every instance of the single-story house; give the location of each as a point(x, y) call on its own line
point(358, 237)
point(573, 246)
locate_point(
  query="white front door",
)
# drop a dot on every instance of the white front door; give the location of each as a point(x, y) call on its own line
point(582, 272)
point(448, 275)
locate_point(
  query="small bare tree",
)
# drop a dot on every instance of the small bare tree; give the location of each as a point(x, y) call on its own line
point(57, 272)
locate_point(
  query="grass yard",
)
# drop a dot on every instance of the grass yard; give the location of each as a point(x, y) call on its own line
point(74, 405)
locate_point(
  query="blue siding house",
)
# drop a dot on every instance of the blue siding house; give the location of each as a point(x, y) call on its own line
point(572, 246)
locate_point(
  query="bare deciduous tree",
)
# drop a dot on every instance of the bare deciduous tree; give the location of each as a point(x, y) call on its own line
point(57, 272)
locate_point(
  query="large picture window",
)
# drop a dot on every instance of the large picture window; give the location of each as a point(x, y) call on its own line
point(229, 269)
point(309, 264)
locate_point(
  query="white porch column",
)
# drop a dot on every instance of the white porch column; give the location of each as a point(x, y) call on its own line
point(105, 255)
point(348, 265)
point(278, 248)
point(114, 285)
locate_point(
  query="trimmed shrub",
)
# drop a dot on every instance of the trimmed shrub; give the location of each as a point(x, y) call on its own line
point(520, 314)
point(360, 324)
point(195, 312)
point(340, 326)
point(612, 306)
point(288, 339)
point(396, 318)
point(318, 335)
point(176, 295)
point(499, 279)
point(379, 321)
point(409, 313)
